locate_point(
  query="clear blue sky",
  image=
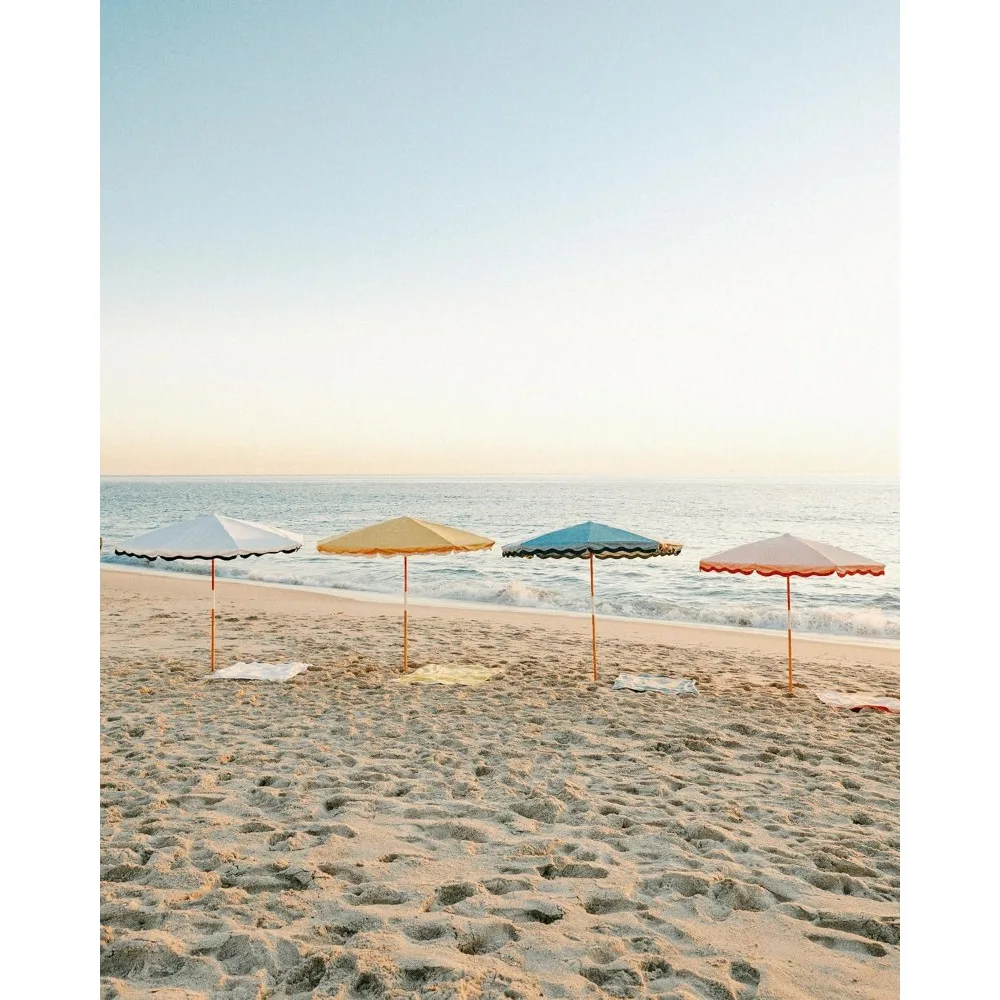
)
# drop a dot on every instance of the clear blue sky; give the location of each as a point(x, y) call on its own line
point(631, 237)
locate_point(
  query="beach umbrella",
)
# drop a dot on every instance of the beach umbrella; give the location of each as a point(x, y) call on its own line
point(789, 556)
point(404, 536)
point(591, 540)
point(210, 537)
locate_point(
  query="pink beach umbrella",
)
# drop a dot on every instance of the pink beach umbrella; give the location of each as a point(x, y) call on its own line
point(789, 556)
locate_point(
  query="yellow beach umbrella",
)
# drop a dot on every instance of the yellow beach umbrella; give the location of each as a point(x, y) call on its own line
point(404, 536)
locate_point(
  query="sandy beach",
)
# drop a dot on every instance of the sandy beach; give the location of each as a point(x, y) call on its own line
point(343, 835)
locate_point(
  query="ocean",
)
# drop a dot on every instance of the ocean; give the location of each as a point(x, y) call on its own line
point(706, 515)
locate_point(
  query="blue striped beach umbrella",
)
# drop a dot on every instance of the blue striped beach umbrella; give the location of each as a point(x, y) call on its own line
point(591, 540)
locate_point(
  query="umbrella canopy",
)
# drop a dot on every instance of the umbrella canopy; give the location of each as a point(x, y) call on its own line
point(788, 556)
point(581, 541)
point(404, 536)
point(592, 540)
point(210, 537)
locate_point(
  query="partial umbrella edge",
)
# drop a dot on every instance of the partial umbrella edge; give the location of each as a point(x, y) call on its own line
point(611, 552)
point(746, 570)
point(440, 550)
point(208, 558)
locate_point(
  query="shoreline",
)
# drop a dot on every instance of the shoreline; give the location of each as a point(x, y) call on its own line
point(298, 597)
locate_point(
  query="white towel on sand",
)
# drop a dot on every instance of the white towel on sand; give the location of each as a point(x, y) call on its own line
point(855, 702)
point(651, 682)
point(259, 671)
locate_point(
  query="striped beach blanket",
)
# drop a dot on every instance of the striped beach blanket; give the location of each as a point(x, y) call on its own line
point(855, 702)
point(447, 673)
point(650, 682)
point(259, 671)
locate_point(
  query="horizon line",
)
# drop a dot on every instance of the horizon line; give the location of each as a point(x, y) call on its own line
point(494, 475)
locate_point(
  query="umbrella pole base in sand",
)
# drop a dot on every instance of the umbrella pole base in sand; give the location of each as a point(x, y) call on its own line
point(593, 617)
point(405, 591)
point(213, 616)
point(788, 623)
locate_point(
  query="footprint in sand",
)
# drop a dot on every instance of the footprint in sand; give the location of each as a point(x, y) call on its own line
point(539, 911)
point(502, 886)
point(618, 982)
point(608, 902)
point(744, 972)
point(432, 930)
point(661, 976)
point(345, 926)
point(485, 938)
point(857, 946)
point(457, 831)
point(449, 895)
point(572, 870)
point(375, 895)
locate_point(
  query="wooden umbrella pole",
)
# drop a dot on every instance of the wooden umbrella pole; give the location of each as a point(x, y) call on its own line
point(213, 616)
point(593, 618)
point(405, 589)
point(788, 620)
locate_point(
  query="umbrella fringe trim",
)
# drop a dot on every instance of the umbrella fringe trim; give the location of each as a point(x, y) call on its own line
point(776, 571)
point(614, 552)
point(236, 555)
point(444, 550)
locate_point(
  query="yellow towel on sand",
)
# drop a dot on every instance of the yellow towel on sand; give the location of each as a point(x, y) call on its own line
point(447, 673)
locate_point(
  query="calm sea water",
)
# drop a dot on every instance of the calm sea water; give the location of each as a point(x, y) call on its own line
point(859, 514)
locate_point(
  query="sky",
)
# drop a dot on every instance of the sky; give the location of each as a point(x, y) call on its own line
point(462, 238)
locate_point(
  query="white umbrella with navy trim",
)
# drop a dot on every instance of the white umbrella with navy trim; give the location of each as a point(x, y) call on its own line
point(210, 537)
